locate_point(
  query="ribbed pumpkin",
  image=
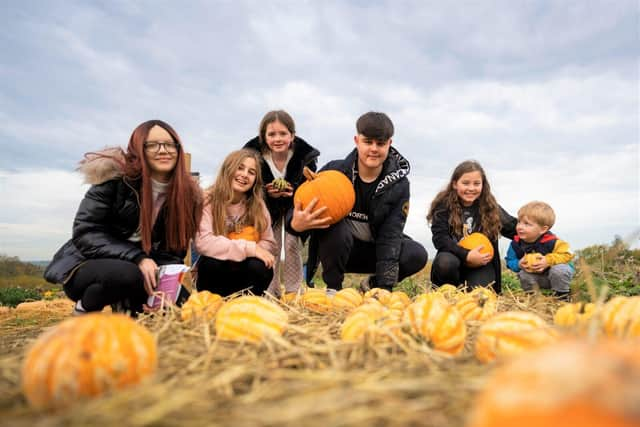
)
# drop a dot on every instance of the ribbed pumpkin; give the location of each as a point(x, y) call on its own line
point(398, 300)
point(317, 300)
point(477, 307)
point(87, 356)
point(474, 240)
point(449, 291)
point(250, 318)
point(346, 299)
point(362, 321)
point(203, 304)
point(247, 233)
point(291, 298)
point(621, 317)
point(572, 383)
point(333, 190)
point(379, 294)
point(532, 258)
point(484, 292)
point(510, 333)
point(576, 314)
point(434, 319)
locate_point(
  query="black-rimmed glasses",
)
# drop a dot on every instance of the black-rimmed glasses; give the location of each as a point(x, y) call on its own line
point(154, 146)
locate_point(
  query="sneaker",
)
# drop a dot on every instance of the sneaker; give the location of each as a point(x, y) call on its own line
point(331, 292)
point(564, 296)
point(78, 309)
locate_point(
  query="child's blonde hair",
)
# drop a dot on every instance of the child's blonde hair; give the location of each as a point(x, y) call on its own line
point(539, 212)
point(220, 194)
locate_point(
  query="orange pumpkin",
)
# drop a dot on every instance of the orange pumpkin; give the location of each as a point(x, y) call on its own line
point(317, 300)
point(203, 304)
point(333, 190)
point(361, 322)
point(477, 307)
point(87, 356)
point(346, 299)
point(571, 383)
point(434, 319)
point(398, 300)
point(532, 258)
point(576, 314)
point(250, 318)
point(379, 294)
point(247, 233)
point(621, 317)
point(510, 333)
point(449, 291)
point(474, 240)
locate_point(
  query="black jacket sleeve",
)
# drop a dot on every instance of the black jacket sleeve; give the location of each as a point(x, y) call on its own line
point(442, 239)
point(92, 233)
point(508, 224)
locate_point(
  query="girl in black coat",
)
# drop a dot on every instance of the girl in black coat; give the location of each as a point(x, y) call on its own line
point(465, 206)
point(140, 212)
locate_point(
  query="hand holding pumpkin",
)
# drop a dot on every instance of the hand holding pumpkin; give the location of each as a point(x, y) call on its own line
point(307, 218)
point(477, 258)
point(275, 192)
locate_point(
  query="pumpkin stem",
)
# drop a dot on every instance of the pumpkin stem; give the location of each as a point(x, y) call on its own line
point(465, 230)
point(309, 174)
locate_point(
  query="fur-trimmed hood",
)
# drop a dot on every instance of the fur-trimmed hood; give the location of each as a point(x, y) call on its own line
point(103, 165)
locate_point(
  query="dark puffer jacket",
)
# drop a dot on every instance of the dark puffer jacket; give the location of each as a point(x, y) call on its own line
point(108, 215)
point(387, 214)
point(446, 240)
point(303, 155)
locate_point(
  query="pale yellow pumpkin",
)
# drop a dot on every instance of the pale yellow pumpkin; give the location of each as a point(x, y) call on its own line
point(574, 315)
point(477, 307)
point(510, 333)
point(570, 383)
point(87, 356)
point(203, 304)
point(250, 318)
point(621, 317)
point(449, 291)
point(379, 294)
point(361, 322)
point(532, 258)
point(438, 322)
point(346, 299)
point(317, 300)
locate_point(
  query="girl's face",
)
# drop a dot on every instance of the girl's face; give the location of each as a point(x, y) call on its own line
point(244, 177)
point(278, 137)
point(161, 153)
point(468, 187)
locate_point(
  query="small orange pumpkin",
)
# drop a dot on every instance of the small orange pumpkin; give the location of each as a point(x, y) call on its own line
point(477, 307)
point(246, 233)
point(346, 299)
point(532, 258)
point(362, 321)
point(203, 304)
point(317, 300)
point(87, 356)
point(474, 240)
point(621, 317)
point(570, 383)
point(510, 333)
point(576, 314)
point(333, 190)
point(250, 318)
point(434, 319)
point(379, 294)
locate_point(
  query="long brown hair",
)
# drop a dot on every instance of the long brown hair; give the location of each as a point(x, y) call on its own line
point(220, 194)
point(271, 117)
point(490, 223)
point(184, 197)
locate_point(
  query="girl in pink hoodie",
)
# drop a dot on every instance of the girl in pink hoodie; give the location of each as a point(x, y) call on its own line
point(235, 240)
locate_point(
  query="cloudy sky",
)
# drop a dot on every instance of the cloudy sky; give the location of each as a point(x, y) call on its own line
point(545, 94)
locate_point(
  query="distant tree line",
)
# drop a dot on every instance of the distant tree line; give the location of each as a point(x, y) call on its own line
point(13, 267)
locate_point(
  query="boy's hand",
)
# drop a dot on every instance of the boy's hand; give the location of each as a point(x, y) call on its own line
point(540, 265)
point(476, 259)
point(307, 218)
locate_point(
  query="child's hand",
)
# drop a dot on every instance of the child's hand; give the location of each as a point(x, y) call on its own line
point(265, 256)
point(540, 265)
point(476, 259)
point(272, 191)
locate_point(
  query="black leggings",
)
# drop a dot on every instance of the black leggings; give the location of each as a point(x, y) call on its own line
point(227, 277)
point(447, 268)
point(341, 253)
point(101, 282)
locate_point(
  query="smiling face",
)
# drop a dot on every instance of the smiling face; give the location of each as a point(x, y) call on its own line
point(243, 178)
point(529, 230)
point(161, 153)
point(371, 152)
point(278, 137)
point(468, 187)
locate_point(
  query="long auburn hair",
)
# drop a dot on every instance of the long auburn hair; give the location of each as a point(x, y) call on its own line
point(490, 223)
point(220, 194)
point(184, 197)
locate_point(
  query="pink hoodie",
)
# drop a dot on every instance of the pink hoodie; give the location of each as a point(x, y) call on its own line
point(225, 249)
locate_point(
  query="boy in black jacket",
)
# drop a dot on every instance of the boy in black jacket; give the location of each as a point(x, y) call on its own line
point(370, 238)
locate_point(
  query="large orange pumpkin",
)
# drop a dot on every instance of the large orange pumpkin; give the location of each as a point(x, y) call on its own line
point(87, 356)
point(510, 333)
point(246, 233)
point(333, 190)
point(203, 304)
point(621, 317)
point(572, 383)
point(474, 240)
point(434, 319)
point(250, 318)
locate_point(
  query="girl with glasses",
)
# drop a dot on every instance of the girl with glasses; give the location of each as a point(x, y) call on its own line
point(140, 212)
